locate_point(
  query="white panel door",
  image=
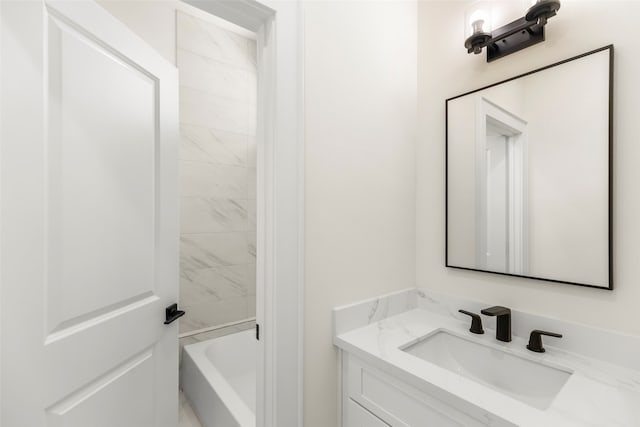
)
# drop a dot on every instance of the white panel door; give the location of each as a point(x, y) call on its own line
point(88, 221)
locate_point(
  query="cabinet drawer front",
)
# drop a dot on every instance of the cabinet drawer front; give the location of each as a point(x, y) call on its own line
point(398, 403)
point(360, 417)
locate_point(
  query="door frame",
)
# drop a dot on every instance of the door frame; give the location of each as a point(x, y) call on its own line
point(280, 201)
point(1, 234)
point(280, 184)
point(518, 202)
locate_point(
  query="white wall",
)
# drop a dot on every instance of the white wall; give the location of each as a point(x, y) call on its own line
point(445, 70)
point(360, 119)
point(218, 86)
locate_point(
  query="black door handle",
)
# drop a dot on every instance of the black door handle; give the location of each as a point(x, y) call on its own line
point(172, 313)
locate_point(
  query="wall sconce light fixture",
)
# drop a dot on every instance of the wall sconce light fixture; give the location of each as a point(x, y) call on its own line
point(510, 38)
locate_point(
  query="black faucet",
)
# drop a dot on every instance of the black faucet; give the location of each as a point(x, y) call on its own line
point(535, 340)
point(503, 322)
point(476, 322)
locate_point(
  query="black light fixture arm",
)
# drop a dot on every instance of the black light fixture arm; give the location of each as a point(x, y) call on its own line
point(516, 35)
point(511, 29)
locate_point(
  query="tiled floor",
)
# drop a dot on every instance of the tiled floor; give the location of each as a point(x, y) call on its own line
point(187, 416)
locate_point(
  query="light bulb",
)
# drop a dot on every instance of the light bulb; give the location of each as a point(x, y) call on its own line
point(479, 22)
point(477, 25)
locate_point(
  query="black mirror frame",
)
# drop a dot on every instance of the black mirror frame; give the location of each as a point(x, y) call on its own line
point(610, 48)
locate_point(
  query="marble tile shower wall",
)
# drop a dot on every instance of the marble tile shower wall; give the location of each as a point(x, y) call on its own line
point(217, 173)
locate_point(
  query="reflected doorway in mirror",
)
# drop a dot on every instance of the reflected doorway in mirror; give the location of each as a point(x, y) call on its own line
point(501, 193)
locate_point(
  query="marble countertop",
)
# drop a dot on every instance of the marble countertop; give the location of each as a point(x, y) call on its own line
point(598, 393)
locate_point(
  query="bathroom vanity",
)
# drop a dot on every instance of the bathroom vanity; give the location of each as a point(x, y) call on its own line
point(409, 359)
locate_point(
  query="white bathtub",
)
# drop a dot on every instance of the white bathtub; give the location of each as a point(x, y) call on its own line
point(218, 377)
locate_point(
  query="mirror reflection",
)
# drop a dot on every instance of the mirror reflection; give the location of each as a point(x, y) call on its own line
point(528, 188)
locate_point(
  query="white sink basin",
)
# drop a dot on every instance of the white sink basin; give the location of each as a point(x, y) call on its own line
point(533, 383)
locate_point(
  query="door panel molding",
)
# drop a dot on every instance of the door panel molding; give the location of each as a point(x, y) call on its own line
point(105, 314)
point(76, 397)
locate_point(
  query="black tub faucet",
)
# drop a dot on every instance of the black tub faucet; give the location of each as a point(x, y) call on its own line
point(503, 321)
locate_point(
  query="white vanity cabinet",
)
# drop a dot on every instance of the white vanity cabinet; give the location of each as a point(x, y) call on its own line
point(357, 416)
point(386, 381)
point(373, 398)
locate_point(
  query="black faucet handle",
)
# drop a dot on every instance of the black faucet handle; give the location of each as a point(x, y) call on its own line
point(497, 310)
point(535, 340)
point(476, 322)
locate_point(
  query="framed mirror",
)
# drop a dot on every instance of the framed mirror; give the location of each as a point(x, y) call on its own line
point(529, 174)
